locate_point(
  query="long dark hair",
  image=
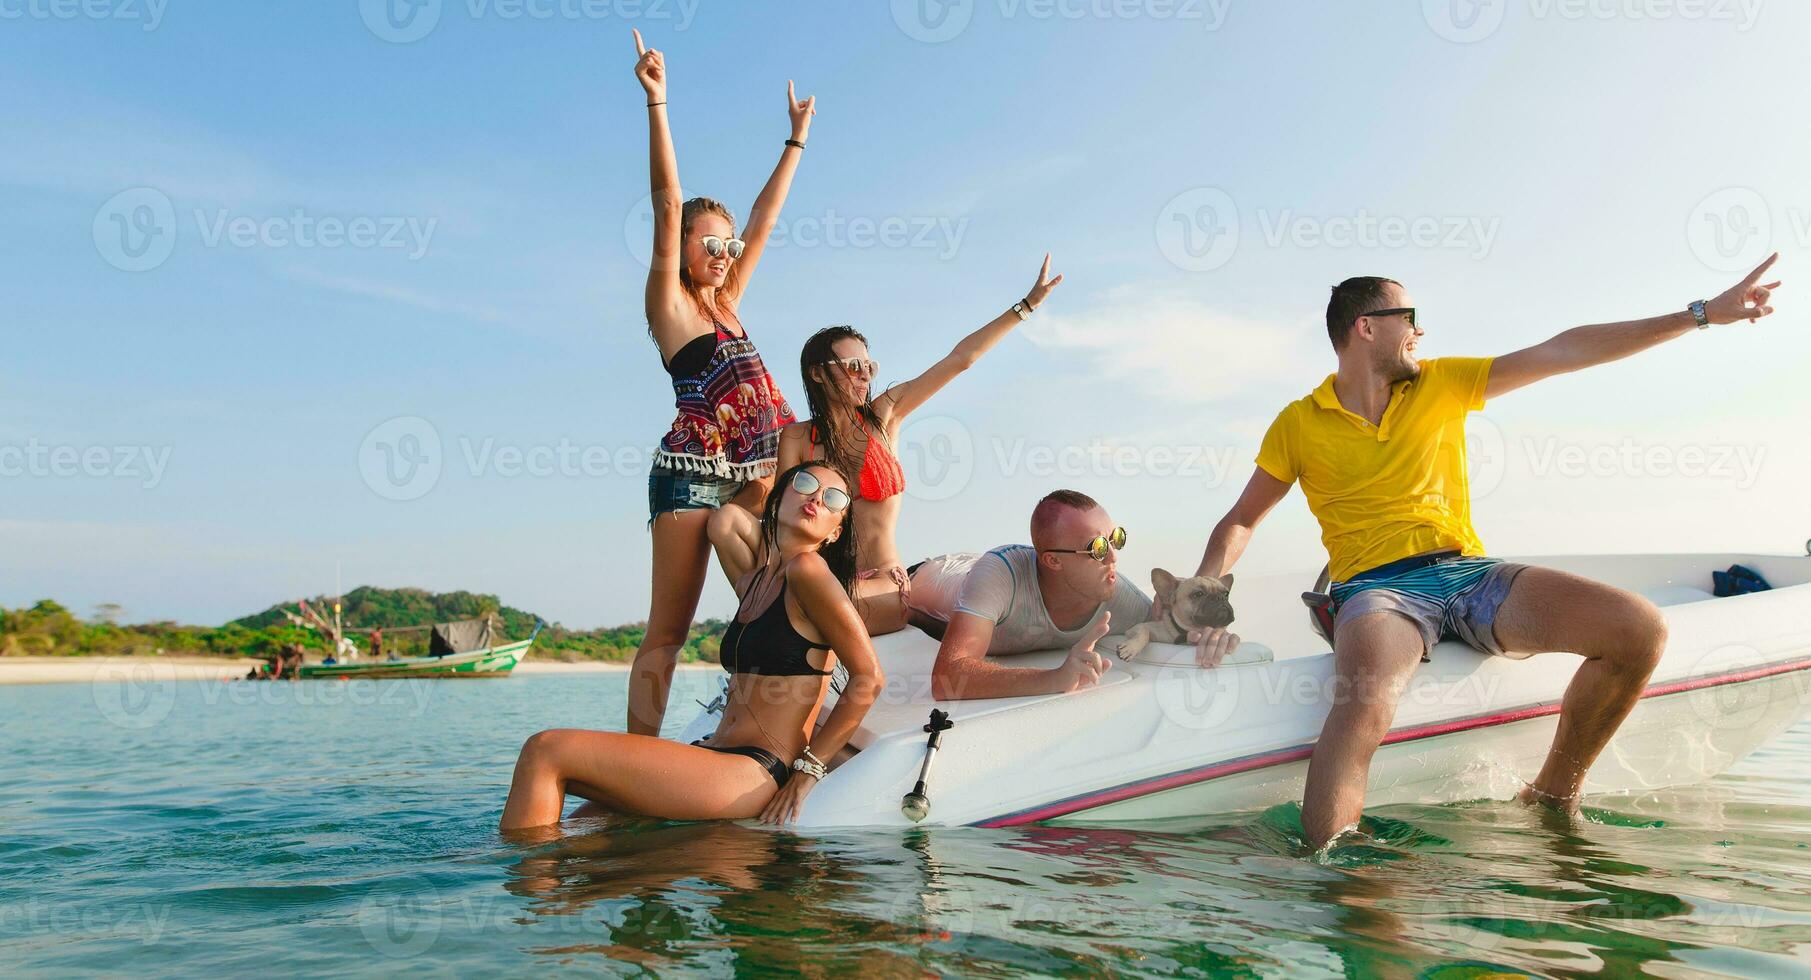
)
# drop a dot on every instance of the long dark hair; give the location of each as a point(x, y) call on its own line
point(840, 555)
point(838, 449)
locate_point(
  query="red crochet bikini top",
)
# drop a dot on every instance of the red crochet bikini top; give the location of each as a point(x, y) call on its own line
point(881, 475)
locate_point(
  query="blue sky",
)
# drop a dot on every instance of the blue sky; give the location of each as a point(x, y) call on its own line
point(250, 249)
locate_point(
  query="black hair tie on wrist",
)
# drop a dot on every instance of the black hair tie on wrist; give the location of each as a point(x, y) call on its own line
point(653, 104)
point(795, 143)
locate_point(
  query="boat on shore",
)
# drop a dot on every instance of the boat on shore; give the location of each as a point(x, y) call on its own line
point(1161, 738)
point(469, 648)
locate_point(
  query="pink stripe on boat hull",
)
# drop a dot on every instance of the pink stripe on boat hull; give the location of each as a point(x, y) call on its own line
point(1189, 777)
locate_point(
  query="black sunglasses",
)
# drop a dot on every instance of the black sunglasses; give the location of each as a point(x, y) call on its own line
point(1406, 312)
point(1097, 548)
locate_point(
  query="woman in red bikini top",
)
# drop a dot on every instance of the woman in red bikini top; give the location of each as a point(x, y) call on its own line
point(858, 432)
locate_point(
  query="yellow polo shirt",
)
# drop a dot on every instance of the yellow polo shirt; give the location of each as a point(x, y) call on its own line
point(1387, 491)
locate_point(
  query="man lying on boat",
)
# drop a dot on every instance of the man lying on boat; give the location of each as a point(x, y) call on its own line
point(1379, 449)
point(1062, 590)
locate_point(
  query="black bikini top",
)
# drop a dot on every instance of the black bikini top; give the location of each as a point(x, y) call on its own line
point(768, 644)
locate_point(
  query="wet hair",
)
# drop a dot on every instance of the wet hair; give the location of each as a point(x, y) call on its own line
point(1045, 513)
point(1352, 299)
point(689, 214)
point(839, 450)
point(840, 555)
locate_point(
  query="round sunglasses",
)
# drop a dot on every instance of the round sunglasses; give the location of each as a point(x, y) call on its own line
point(715, 247)
point(836, 499)
point(1097, 548)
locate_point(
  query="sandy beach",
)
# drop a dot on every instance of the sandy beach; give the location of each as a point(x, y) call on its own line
point(86, 670)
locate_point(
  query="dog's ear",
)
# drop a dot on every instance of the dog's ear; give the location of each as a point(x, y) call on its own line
point(1226, 580)
point(1163, 582)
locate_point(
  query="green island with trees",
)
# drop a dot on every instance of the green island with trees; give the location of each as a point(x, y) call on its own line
point(47, 628)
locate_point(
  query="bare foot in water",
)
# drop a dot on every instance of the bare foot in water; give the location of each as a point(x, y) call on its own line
point(1537, 797)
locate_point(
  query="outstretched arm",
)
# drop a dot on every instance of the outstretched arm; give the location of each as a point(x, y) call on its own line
point(903, 398)
point(1600, 343)
point(1230, 536)
point(766, 212)
point(1224, 547)
point(665, 298)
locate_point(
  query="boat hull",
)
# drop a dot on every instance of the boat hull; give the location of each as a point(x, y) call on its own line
point(492, 662)
point(1163, 740)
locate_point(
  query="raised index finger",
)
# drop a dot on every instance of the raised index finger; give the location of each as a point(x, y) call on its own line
point(1761, 270)
point(640, 48)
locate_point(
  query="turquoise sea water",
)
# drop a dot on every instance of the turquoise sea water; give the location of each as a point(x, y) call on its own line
point(348, 828)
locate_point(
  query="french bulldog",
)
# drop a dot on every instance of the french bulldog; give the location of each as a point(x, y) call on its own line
point(1188, 604)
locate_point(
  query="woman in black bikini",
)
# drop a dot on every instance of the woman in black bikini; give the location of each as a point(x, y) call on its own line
point(718, 457)
point(795, 622)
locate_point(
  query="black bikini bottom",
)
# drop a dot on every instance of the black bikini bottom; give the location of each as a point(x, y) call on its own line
point(775, 768)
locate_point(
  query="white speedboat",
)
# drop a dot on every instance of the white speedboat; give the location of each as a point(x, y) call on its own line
point(1161, 738)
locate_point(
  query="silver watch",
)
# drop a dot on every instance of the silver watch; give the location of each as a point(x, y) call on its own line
point(1023, 309)
point(1698, 314)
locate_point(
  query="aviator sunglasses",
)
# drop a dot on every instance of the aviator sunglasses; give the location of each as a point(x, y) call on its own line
point(714, 246)
point(806, 483)
point(1097, 549)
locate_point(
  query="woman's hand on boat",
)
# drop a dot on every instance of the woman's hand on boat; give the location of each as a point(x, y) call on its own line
point(800, 111)
point(1044, 285)
point(651, 70)
point(1084, 666)
point(1746, 300)
point(784, 807)
point(1212, 645)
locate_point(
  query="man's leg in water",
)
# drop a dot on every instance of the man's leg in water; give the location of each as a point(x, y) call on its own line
point(1621, 636)
point(1374, 656)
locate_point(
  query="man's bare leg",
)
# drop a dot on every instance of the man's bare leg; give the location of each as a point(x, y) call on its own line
point(1621, 636)
point(1374, 655)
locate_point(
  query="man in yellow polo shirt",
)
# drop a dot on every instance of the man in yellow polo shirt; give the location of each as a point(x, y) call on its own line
point(1379, 449)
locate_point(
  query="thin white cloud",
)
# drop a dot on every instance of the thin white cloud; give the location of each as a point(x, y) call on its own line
point(1181, 350)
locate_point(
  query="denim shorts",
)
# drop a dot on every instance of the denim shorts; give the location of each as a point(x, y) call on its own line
point(677, 490)
point(1447, 597)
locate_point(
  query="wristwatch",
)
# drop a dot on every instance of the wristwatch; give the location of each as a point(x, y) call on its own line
point(1023, 309)
point(1698, 314)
